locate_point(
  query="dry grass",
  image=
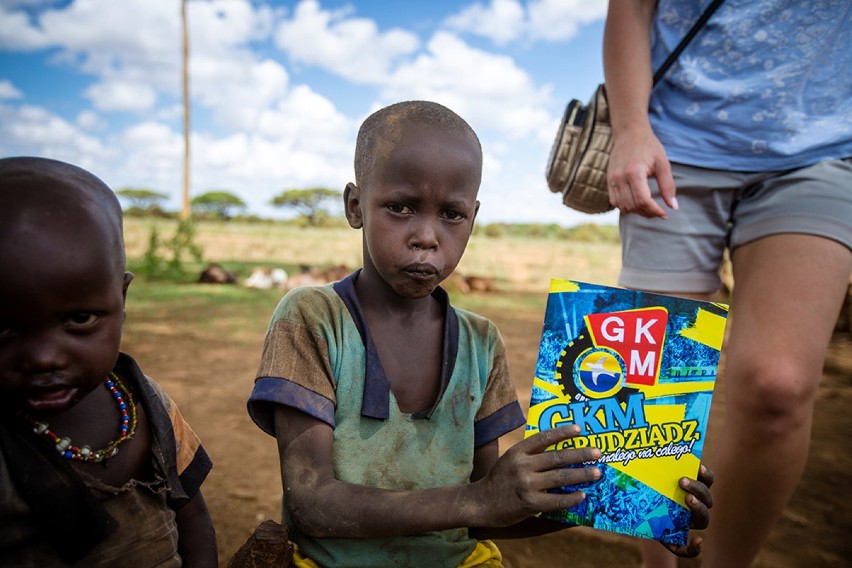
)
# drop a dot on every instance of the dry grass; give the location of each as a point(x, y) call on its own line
point(518, 264)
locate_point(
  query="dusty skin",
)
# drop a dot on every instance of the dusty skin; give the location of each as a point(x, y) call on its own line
point(209, 373)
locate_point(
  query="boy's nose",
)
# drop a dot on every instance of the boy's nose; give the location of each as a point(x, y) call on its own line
point(40, 353)
point(424, 236)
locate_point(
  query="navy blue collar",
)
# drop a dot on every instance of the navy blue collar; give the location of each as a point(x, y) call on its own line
point(377, 386)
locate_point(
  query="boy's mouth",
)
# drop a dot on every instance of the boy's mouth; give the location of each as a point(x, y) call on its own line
point(420, 271)
point(51, 399)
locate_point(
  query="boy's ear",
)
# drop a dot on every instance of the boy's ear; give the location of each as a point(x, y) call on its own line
point(128, 278)
point(475, 212)
point(352, 205)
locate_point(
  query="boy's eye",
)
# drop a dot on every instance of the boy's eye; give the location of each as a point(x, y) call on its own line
point(454, 215)
point(82, 318)
point(399, 208)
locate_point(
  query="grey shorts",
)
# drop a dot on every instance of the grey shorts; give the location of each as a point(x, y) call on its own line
point(719, 209)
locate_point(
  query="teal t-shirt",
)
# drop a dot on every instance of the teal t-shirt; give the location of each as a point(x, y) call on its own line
point(319, 357)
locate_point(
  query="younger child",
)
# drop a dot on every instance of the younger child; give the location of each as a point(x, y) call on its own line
point(97, 466)
point(387, 402)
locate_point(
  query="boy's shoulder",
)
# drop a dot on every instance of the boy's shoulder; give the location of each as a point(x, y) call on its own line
point(144, 386)
point(306, 303)
point(477, 324)
point(179, 447)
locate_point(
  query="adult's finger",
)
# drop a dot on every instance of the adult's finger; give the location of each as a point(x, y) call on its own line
point(643, 203)
point(665, 182)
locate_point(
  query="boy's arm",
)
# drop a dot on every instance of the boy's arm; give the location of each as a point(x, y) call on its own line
point(698, 499)
point(196, 537)
point(513, 489)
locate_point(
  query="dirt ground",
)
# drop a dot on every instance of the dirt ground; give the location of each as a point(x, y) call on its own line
point(210, 374)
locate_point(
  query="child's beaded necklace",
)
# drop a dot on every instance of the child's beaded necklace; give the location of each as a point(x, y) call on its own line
point(127, 427)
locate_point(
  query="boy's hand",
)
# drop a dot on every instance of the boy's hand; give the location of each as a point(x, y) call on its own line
point(699, 500)
point(516, 486)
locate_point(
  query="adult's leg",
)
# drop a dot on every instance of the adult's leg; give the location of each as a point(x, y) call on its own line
point(788, 290)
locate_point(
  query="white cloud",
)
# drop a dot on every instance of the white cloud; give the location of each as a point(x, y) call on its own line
point(219, 26)
point(105, 37)
point(17, 32)
point(30, 3)
point(239, 88)
point(8, 90)
point(503, 21)
point(353, 48)
point(309, 119)
point(121, 96)
point(133, 48)
point(558, 20)
point(152, 157)
point(35, 131)
point(302, 141)
point(488, 90)
point(89, 120)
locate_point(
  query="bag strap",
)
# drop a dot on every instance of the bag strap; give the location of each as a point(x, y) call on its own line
point(696, 27)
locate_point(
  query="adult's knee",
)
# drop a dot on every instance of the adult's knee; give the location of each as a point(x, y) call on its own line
point(774, 399)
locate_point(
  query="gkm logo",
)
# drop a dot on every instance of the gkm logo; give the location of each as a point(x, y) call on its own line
point(627, 344)
point(598, 372)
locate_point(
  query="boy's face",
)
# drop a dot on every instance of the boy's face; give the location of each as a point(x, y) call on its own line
point(61, 312)
point(417, 208)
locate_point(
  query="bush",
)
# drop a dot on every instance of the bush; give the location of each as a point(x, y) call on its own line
point(165, 260)
point(494, 230)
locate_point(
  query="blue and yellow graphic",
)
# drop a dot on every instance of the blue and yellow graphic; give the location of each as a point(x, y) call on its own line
point(636, 372)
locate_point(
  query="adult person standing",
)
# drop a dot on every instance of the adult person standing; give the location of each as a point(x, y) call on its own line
point(745, 143)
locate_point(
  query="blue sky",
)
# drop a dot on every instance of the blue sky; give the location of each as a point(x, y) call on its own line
point(279, 88)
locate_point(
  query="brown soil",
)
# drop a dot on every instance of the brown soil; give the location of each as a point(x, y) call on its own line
point(210, 373)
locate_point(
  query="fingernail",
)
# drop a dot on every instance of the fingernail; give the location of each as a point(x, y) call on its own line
point(674, 203)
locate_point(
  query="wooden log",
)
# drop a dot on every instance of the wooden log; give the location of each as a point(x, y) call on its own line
point(268, 546)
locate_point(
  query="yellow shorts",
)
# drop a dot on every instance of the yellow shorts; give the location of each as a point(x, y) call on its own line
point(484, 555)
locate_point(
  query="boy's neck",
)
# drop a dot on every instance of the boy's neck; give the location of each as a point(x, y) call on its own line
point(378, 298)
point(408, 335)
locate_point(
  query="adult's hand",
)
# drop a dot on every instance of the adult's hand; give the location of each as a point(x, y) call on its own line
point(636, 156)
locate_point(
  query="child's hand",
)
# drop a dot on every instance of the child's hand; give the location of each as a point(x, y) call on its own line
point(699, 500)
point(516, 486)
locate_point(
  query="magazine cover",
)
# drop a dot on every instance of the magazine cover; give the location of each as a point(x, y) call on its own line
point(636, 372)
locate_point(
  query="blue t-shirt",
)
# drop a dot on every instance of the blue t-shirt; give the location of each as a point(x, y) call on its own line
point(319, 357)
point(765, 85)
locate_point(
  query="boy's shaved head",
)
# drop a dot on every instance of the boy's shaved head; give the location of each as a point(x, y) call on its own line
point(39, 194)
point(384, 127)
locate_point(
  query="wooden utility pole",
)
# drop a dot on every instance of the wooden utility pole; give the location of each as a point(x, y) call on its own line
point(186, 210)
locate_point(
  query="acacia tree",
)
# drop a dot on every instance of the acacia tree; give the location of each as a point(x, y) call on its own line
point(313, 203)
point(141, 198)
point(218, 202)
